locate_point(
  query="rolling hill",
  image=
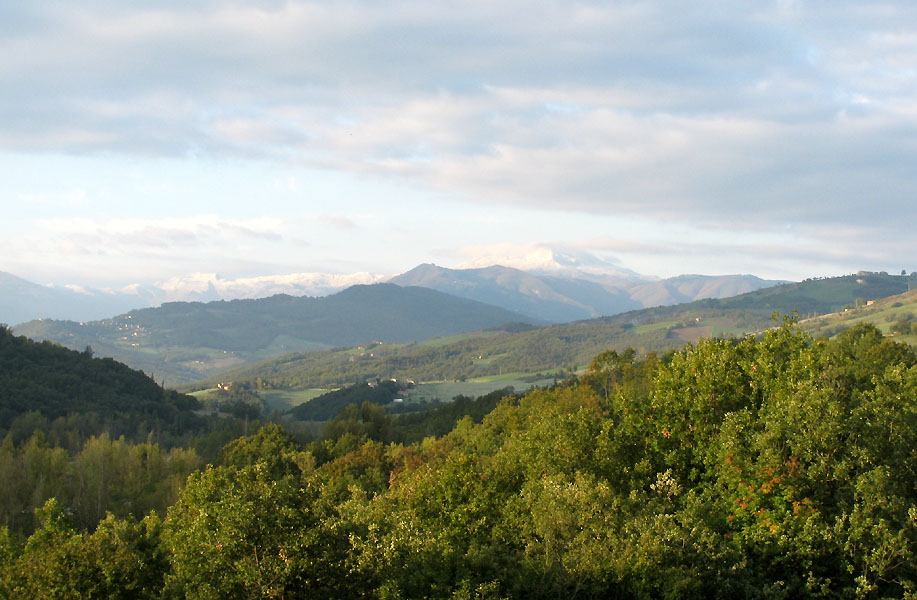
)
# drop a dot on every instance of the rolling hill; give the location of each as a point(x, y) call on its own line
point(183, 341)
point(895, 316)
point(57, 382)
point(570, 346)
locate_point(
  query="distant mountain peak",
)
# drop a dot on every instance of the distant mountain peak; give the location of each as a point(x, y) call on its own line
point(548, 260)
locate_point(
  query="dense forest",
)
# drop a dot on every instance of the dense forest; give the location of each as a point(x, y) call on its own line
point(46, 386)
point(781, 466)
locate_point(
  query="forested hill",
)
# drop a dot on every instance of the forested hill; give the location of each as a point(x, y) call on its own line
point(824, 294)
point(182, 341)
point(53, 382)
point(572, 345)
point(361, 313)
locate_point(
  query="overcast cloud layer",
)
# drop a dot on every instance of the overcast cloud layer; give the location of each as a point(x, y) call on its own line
point(776, 138)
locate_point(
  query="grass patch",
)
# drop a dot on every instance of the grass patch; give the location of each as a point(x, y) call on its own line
point(286, 399)
point(447, 390)
point(650, 327)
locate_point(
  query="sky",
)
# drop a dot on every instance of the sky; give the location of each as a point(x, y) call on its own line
point(142, 141)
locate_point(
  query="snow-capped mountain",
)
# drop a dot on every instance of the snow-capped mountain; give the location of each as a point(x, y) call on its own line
point(210, 286)
point(545, 260)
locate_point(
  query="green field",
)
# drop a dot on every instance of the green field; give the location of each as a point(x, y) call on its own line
point(284, 400)
point(883, 314)
point(658, 325)
point(447, 390)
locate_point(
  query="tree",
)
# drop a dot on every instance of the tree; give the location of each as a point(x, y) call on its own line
point(120, 560)
point(270, 445)
point(250, 528)
point(241, 533)
point(607, 369)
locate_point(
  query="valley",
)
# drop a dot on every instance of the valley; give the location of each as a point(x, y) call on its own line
point(183, 342)
point(557, 350)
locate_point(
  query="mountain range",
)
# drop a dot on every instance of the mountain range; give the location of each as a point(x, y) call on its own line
point(516, 353)
point(186, 341)
point(574, 295)
point(554, 286)
point(22, 300)
point(183, 341)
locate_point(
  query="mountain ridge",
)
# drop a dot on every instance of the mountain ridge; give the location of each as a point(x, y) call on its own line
point(188, 340)
point(556, 285)
point(569, 346)
point(558, 298)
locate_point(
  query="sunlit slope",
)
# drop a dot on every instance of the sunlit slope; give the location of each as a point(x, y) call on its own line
point(895, 316)
point(568, 346)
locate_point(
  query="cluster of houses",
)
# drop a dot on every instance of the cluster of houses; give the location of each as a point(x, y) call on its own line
point(402, 393)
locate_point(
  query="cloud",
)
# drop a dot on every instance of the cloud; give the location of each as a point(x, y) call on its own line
point(798, 253)
point(128, 236)
point(70, 198)
point(337, 221)
point(112, 251)
point(726, 116)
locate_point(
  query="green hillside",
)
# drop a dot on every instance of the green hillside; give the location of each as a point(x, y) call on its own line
point(895, 316)
point(809, 297)
point(824, 295)
point(564, 347)
point(184, 341)
point(91, 395)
